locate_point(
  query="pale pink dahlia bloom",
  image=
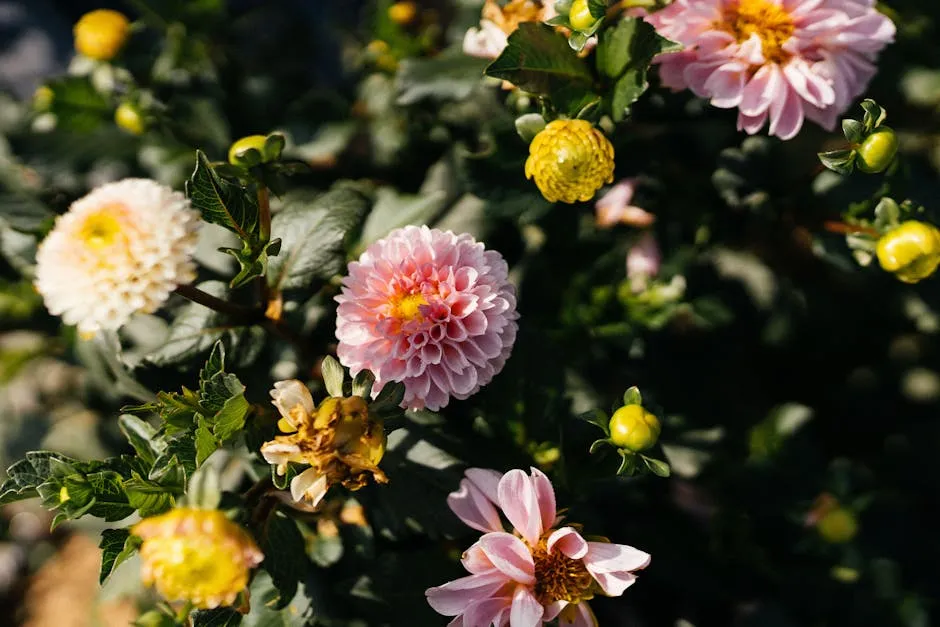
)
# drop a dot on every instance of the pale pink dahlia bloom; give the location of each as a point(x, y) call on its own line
point(775, 60)
point(539, 573)
point(431, 309)
point(643, 261)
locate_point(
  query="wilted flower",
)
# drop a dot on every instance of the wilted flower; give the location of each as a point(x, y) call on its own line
point(121, 249)
point(776, 60)
point(431, 309)
point(340, 441)
point(540, 572)
point(196, 555)
point(101, 34)
point(643, 261)
point(570, 160)
point(614, 207)
point(499, 22)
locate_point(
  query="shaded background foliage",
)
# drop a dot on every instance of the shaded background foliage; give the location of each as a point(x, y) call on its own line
point(785, 371)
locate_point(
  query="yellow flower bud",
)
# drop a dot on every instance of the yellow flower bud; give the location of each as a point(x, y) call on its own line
point(101, 34)
point(877, 152)
point(634, 428)
point(43, 98)
point(402, 12)
point(235, 156)
point(196, 555)
point(570, 160)
point(580, 16)
point(129, 118)
point(340, 441)
point(911, 251)
point(837, 526)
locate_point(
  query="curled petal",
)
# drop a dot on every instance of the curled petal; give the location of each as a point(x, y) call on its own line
point(510, 556)
point(519, 501)
point(310, 486)
point(569, 542)
point(456, 596)
point(472, 506)
point(606, 557)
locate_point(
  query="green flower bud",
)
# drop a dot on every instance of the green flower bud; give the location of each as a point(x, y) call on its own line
point(128, 117)
point(837, 526)
point(877, 152)
point(634, 428)
point(911, 251)
point(580, 16)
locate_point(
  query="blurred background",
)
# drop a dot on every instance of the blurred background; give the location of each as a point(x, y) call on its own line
point(792, 382)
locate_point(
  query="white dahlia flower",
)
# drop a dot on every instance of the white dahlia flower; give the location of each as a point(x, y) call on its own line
point(121, 249)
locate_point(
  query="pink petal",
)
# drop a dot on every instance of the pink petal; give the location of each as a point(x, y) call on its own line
point(526, 610)
point(510, 556)
point(786, 116)
point(455, 596)
point(613, 584)
point(545, 494)
point(475, 560)
point(606, 557)
point(485, 612)
point(568, 542)
point(520, 503)
point(473, 508)
point(582, 616)
point(764, 87)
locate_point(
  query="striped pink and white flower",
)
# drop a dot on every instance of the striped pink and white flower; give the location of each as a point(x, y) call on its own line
point(428, 308)
point(777, 61)
point(540, 572)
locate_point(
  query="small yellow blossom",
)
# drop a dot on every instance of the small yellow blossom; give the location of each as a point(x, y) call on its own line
point(911, 251)
point(340, 441)
point(402, 12)
point(129, 118)
point(196, 555)
point(101, 34)
point(570, 160)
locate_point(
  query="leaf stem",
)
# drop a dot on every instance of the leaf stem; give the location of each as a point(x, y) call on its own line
point(240, 313)
point(850, 229)
point(264, 213)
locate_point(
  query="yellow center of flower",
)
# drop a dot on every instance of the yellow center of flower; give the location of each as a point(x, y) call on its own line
point(560, 578)
point(768, 21)
point(100, 229)
point(408, 307)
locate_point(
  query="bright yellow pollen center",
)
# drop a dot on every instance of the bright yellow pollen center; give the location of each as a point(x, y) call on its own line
point(100, 229)
point(560, 578)
point(768, 21)
point(408, 307)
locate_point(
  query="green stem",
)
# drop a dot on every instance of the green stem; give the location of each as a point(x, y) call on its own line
point(264, 213)
point(239, 313)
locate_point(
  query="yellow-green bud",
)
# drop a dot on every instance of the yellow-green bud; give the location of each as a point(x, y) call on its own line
point(129, 118)
point(580, 16)
point(634, 428)
point(235, 153)
point(837, 526)
point(877, 152)
point(402, 12)
point(911, 251)
point(43, 98)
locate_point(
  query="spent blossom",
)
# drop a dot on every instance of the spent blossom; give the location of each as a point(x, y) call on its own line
point(777, 61)
point(499, 22)
point(615, 207)
point(542, 571)
point(430, 309)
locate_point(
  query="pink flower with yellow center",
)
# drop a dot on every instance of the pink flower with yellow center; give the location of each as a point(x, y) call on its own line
point(541, 572)
point(430, 309)
point(776, 61)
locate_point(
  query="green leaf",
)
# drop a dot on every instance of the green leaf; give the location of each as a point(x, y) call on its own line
point(362, 384)
point(598, 8)
point(205, 441)
point(841, 161)
point(26, 475)
point(111, 501)
point(231, 418)
point(539, 60)
point(313, 232)
point(221, 202)
point(205, 490)
point(77, 105)
point(657, 467)
point(147, 497)
point(451, 75)
point(597, 445)
point(624, 54)
point(116, 546)
point(853, 130)
point(219, 617)
point(874, 116)
point(632, 396)
point(142, 437)
point(285, 557)
point(597, 418)
point(627, 463)
point(887, 214)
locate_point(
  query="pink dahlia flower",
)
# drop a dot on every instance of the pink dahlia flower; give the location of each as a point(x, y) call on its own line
point(541, 572)
point(643, 261)
point(431, 309)
point(775, 60)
